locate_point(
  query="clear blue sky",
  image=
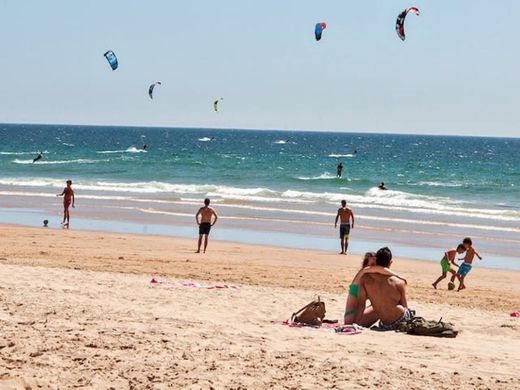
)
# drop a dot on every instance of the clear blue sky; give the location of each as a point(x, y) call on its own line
point(457, 73)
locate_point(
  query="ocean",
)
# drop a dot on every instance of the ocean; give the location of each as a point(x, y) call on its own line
point(272, 187)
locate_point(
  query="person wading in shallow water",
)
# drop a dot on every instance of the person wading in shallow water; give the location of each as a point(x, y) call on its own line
point(344, 215)
point(205, 223)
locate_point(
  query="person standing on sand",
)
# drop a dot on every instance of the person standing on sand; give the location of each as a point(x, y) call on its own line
point(467, 263)
point(344, 215)
point(447, 261)
point(68, 199)
point(205, 223)
point(387, 294)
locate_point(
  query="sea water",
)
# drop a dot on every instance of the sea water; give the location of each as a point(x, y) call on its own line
point(440, 188)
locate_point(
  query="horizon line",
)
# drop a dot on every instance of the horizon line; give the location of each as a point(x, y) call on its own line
point(191, 127)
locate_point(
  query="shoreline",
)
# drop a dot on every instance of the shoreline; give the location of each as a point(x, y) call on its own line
point(277, 239)
point(152, 224)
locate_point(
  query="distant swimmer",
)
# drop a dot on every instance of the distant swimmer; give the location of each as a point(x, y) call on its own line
point(339, 170)
point(344, 215)
point(38, 157)
point(68, 200)
point(355, 151)
point(208, 218)
point(382, 186)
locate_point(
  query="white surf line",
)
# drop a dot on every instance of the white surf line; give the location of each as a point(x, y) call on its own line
point(305, 212)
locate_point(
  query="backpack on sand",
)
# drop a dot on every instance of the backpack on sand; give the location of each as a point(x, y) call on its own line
point(311, 314)
point(420, 327)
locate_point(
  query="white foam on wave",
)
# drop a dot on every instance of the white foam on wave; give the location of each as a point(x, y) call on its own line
point(110, 151)
point(373, 199)
point(348, 155)
point(21, 153)
point(205, 139)
point(133, 149)
point(196, 202)
point(437, 184)
point(45, 162)
point(323, 176)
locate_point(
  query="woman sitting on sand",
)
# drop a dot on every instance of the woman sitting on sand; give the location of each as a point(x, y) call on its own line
point(368, 266)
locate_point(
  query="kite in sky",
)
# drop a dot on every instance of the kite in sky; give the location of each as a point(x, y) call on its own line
point(150, 90)
point(399, 24)
point(112, 59)
point(318, 30)
point(215, 104)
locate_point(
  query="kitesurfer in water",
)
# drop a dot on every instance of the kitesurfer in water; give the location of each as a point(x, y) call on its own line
point(382, 186)
point(339, 169)
point(145, 147)
point(38, 157)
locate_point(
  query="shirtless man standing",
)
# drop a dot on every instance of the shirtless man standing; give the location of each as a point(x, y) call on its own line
point(206, 214)
point(68, 199)
point(387, 295)
point(344, 215)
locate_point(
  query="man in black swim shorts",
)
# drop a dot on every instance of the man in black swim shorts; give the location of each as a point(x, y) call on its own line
point(345, 216)
point(205, 223)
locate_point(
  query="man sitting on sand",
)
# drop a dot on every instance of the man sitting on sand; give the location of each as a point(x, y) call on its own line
point(387, 295)
point(206, 214)
point(344, 215)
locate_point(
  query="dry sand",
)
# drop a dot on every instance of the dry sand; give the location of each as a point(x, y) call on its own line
point(78, 311)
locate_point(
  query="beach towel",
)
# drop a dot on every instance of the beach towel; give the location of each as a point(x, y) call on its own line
point(420, 327)
point(190, 284)
point(311, 314)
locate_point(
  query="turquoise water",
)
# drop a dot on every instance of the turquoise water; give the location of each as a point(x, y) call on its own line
point(484, 171)
point(444, 187)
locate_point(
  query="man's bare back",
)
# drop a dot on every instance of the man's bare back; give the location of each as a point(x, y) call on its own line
point(387, 296)
point(345, 214)
point(206, 214)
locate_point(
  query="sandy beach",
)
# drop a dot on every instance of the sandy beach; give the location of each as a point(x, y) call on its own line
point(78, 311)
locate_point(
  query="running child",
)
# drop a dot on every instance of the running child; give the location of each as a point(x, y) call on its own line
point(467, 263)
point(447, 261)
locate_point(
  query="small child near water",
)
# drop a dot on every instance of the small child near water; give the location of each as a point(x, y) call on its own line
point(447, 261)
point(467, 263)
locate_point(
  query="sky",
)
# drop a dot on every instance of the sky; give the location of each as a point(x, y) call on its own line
point(456, 73)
